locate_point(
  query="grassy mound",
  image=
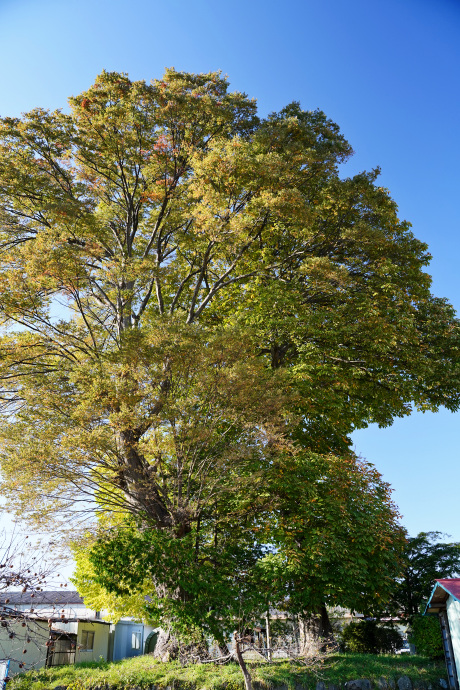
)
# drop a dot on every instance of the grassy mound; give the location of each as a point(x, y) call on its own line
point(144, 672)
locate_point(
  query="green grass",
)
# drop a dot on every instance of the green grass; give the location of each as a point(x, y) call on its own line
point(144, 671)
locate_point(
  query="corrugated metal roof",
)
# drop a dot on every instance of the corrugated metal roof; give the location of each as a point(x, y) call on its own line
point(60, 597)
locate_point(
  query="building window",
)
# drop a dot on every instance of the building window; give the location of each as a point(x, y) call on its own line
point(87, 641)
point(136, 640)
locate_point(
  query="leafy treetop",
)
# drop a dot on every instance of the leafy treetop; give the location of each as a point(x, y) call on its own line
point(426, 559)
point(161, 214)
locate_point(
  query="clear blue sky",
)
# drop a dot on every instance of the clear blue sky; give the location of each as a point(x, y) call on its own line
point(387, 71)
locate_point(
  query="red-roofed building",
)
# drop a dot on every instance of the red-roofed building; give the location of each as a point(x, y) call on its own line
point(445, 602)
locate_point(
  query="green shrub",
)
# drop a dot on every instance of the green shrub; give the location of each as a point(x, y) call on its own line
point(370, 637)
point(425, 634)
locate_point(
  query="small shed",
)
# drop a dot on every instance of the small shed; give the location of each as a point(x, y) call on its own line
point(127, 641)
point(445, 602)
point(80, 639)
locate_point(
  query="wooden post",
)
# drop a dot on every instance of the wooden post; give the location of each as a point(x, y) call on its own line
point(267, 623)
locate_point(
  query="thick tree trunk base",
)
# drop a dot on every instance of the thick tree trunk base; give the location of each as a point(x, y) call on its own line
point(315, 632)
point(167, 646)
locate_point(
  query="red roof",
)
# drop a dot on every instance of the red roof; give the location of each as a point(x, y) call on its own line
point(452, 585)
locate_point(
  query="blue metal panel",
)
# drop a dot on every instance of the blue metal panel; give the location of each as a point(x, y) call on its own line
point(122, 646)
point(4, 668)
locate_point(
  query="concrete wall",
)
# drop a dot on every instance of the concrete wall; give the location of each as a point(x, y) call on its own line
point(13, 649)
point(453, 615)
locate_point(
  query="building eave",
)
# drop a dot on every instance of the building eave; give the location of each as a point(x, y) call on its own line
point(438, 603)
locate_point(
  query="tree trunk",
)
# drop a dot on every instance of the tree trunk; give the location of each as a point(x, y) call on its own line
point(315, 631)
point(242, 663)
point(140, 489)
point(223, 649)
point(167, 647)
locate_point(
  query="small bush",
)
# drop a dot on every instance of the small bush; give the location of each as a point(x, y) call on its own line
point(370, 637)
point(425, 634)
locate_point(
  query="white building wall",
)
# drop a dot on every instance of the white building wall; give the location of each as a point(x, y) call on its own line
point(453, 615)
point(51, 611)
point(13, 649)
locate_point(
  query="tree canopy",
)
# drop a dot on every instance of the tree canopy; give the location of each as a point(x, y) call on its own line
point(152, 213)
point(323, 532)
point(197, 309)
point(426, 559)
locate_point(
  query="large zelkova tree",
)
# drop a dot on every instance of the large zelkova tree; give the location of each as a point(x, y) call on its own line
point(187, 293)
point(159, 212)
point(321, 532)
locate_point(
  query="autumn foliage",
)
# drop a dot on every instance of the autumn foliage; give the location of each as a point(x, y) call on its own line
point(197, 310)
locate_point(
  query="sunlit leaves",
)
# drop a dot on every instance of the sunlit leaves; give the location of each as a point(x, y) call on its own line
point(190, 297)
